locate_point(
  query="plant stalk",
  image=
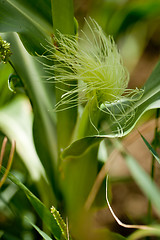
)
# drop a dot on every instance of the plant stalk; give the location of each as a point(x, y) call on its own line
point(63, 21)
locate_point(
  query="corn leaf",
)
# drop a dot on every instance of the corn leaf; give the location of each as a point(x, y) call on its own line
point(16, 121)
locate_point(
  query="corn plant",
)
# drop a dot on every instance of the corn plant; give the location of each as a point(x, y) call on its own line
point(69, 94)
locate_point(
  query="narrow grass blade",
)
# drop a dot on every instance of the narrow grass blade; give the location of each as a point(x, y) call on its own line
point(154, 153)
point(43, 234)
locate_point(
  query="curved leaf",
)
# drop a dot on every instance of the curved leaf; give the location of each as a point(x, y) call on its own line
point(16, 121)
point(79, 147)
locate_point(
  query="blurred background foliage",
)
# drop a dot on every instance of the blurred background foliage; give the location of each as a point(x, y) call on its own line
point(134, 25)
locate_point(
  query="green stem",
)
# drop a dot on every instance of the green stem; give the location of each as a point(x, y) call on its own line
point(80, 172)
point(63, 21)
point(88, 122)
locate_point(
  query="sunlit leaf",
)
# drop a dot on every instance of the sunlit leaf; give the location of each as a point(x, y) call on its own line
point(16, 121)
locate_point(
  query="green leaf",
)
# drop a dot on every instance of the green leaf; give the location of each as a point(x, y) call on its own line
point(80, 147)
point(144, 233)
point(43, 234)
point(42, 98)
point(16, 121)
point(154, 153)
point(33, 29)
point(144, 181)
point(63, 20)
point(75, 182)
point(42, 211)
